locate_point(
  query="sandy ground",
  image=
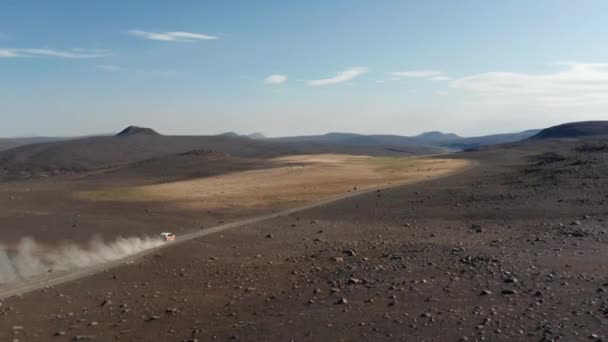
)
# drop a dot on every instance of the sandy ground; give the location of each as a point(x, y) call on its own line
point(294, 180)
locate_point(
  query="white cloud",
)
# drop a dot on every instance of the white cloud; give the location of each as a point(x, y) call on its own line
point(577, 84)
point(343, 76)
point(433, 75)
point(275, 79)
point(417, 73)
point(7, 54)
point(76, 53)
point(177, 36)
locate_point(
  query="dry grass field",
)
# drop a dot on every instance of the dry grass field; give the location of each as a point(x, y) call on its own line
point(294, 180)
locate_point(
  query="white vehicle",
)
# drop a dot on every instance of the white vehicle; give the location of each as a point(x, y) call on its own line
point(167, 237)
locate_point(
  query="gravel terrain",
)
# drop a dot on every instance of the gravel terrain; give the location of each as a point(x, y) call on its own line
point(514, 249)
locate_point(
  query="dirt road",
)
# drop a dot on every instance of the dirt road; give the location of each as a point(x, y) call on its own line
point(56, 278)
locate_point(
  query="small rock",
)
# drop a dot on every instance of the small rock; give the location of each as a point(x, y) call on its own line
point(342, 301)
point(354, 281)
point(350, 252)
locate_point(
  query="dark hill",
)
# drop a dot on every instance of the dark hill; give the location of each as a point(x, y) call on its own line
point(486, 140)
point(353, 139)
point(134, 130)
point(436, 136)
point(7, 143)
point(229, 134)
point(574, 130)
point(102, 152)
point(256, 135)
point(434, 139)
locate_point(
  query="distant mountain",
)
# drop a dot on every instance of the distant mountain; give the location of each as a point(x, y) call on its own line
point(7, 143)
point(229, 134)
point(435, 139)
point(436, 136)
point(574, 130)
point(473, 142)
point(134, 130)
point(136, 144)
point(256, 135)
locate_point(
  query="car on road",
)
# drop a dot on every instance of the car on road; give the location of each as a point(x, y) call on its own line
point(167, 236)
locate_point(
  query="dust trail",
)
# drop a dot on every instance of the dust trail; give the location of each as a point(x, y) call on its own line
point(32, 259)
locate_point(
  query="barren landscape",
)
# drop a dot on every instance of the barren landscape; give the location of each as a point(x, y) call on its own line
point(304, 171)
point(501, 243)
point(51, 256)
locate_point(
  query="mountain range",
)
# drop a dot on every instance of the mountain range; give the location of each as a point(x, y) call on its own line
point(447, 141)
point(25, 157)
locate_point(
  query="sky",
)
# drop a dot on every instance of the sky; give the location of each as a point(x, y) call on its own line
point(282, 68)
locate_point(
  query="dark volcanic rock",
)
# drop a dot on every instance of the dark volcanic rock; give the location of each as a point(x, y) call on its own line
point(133, 130)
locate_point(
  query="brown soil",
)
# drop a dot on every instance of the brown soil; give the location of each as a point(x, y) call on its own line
point(511, 250)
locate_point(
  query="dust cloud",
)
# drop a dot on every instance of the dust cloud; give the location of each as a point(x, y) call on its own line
point(32, 259)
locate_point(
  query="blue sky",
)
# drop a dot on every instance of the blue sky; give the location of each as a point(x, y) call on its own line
point(300, 67)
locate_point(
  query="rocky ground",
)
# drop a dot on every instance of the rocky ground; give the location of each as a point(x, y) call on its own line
point(514, 249)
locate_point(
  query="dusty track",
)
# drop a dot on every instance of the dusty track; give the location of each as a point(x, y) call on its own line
point(59, 278)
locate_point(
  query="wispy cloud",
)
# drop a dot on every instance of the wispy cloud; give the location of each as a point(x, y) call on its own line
point(7, 54)
point(176, 36)
point(275, 79)
point(76, 53)
point(577, 84)
point(343, 76)
point(134, 71)
point(439, 78)
point(433, 75)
